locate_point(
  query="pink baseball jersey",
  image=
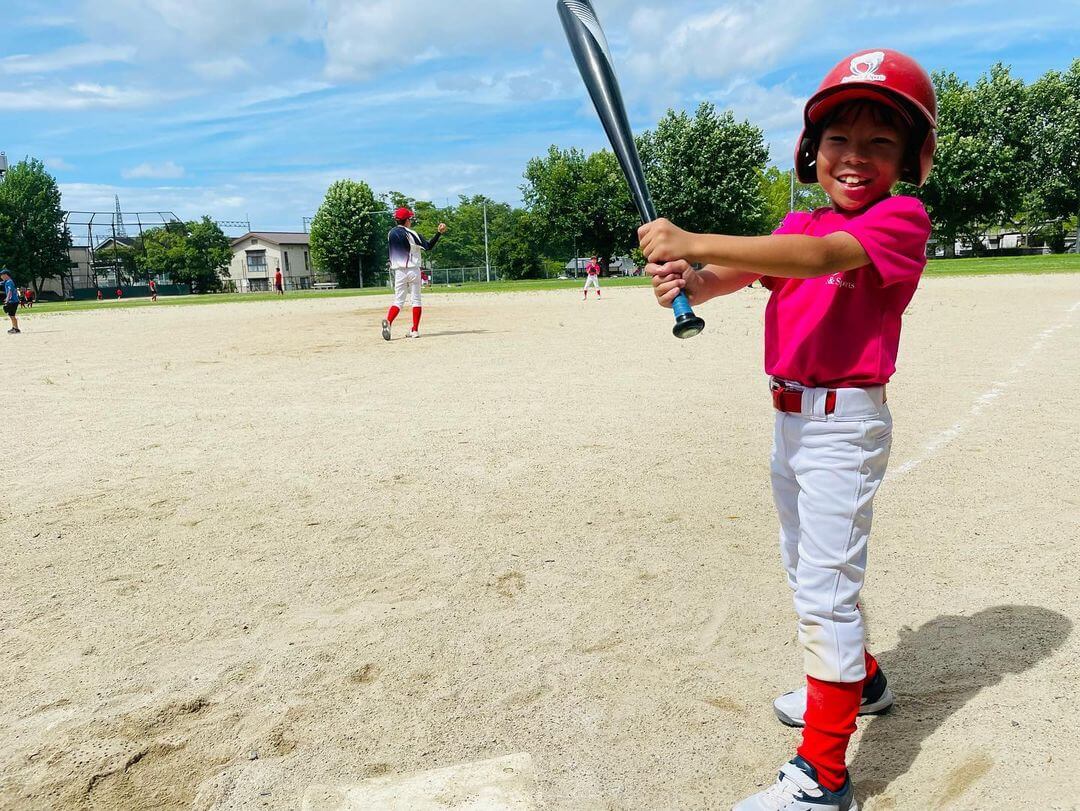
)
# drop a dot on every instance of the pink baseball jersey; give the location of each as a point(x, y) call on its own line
point(844, 329)
point(593, 268)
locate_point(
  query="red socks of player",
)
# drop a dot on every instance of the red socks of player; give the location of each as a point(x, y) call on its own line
point(831, 709)
point(871, 665)
point(416, 311)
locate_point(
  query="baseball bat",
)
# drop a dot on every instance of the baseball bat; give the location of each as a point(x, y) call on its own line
point(593, 57)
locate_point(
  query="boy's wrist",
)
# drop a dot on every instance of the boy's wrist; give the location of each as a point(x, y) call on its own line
point(698, 249)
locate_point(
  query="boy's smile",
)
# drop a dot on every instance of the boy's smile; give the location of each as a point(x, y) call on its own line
point(859, 159)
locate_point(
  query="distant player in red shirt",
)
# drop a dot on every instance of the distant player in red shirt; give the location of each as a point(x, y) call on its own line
point(279, 284)
point(153, 290)
point(592, 277)
point(119, 292)
point(28, 298)
point(99, 296)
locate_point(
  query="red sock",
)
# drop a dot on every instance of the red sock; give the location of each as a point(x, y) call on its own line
point(871, 665)
point(390, 316)
point(831, 708)
point(416, 311)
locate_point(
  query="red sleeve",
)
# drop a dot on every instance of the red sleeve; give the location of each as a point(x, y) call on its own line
point(894, 233)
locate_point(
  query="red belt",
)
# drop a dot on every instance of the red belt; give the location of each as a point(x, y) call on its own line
point(789, 399)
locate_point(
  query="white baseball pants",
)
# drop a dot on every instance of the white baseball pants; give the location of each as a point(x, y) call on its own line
point(825, 472)
point(406, 280)
point(592, 280)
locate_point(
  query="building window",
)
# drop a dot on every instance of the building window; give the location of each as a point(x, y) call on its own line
point(254, 241)
point(306, 266)
point(286, 255)
point(256, 261)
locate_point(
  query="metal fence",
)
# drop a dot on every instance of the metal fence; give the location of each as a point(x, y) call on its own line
point(451, 276)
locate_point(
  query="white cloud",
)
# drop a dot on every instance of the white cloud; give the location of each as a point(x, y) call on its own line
point(57, 164)
point(154, 171)
point(364, 40)
point(198, 29)
point(736, 39)
point(219, 69)
point(76, 97)
point(75, 56)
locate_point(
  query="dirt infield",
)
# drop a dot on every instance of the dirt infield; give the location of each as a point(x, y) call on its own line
point(251, 548)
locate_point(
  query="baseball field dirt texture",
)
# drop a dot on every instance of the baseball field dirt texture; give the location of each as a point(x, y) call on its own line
point(257, 558)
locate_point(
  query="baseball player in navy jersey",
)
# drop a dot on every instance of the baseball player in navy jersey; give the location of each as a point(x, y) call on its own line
point(405, 248)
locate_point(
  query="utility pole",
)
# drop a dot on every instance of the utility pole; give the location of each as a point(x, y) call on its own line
point(487, 255)
point(3, 166)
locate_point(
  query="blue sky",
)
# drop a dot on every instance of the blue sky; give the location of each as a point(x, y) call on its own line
point(250, 108)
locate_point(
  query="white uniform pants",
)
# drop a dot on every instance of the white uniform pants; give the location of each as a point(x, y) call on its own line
point(593, 280)
point(825, 472)
point(405, 280)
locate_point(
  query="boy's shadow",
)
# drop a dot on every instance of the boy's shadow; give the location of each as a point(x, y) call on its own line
point(937, 669)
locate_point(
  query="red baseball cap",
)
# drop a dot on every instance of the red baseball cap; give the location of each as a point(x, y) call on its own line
point(403, 213)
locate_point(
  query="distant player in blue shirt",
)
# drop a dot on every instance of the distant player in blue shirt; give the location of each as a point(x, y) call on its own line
point(11, 300)
point(405, 247)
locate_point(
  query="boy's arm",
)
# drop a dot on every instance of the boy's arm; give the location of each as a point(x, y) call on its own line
point(788, 256)
point(718, 280)
point(671, 278)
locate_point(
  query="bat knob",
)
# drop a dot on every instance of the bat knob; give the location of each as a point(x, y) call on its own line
point(688, 325)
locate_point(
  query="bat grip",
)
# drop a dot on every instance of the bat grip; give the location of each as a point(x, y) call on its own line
point(681, 306)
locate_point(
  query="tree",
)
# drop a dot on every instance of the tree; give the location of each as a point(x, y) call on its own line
point(776, 189)
point(345, 234)
point(978, 169)
point(516, 249)
point(463, 243)
point(1052, 177)
point(207, 253)
point(123, 258)
point(584, 198)
point(704, 171)
point(164, 251)
point(33, 240)
point(195, 253)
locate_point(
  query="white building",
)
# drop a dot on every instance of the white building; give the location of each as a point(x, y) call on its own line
point(258, 255)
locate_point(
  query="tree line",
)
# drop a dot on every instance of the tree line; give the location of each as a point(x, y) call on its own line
point(35, 241)
point(1008, 156)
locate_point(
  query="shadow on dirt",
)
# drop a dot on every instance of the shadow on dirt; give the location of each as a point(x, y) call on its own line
point(939, 667)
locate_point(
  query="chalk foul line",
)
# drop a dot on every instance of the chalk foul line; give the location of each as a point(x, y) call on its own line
point(988, 398)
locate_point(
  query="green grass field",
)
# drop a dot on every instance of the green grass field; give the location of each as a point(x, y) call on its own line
point(1055, 263)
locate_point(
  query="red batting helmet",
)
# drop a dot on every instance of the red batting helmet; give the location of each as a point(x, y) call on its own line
point(403, 214)
point(889, 77)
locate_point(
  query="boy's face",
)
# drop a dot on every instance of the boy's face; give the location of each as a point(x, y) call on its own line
point(859, 159)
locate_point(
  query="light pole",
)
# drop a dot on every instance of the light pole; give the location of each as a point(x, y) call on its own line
point(487, 256)
point(3, 166)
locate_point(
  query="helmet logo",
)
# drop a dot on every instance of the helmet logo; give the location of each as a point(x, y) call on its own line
point(864, 68)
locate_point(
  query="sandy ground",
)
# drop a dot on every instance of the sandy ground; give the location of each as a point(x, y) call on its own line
point(249, 548)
